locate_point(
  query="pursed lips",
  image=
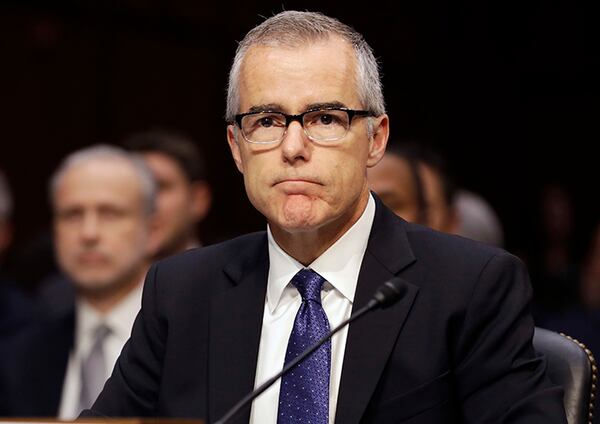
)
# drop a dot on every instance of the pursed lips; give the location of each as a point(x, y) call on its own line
point(90, 257)
point(297, 186)
point(296, 181)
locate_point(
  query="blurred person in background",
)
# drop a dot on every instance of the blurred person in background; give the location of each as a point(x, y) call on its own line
point(582, 321)
point(6, 205)
point(184, 196)
point(590, 275)
point(476, 219)
point(411, 179)
point(554, 267)
point(15, 309)
point(103, 202)
point(396, 180)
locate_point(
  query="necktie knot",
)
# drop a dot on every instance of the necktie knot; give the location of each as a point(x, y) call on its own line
point(309, 284)
point(100, 333)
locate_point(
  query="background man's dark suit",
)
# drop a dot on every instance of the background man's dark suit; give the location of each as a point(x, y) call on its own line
point(32, 374)
point(16, 313)
point(457, 343)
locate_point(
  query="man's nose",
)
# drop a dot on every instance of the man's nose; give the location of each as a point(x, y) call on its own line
point(295, 144)
point(90, 229)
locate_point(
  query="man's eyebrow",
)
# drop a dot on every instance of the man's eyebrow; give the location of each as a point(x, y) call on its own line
point(326, 105)
point(271, 107)
point(274, 107)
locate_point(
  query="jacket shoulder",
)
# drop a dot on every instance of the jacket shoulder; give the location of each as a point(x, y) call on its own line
point(207, 261)
point(444, 248)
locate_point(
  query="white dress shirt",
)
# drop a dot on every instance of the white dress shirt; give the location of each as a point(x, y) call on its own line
point(339, 265)
point(119, 320)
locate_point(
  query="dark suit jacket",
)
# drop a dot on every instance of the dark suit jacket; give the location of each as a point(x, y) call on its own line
point(456, 348)
point(16, 311)
point(33, 372)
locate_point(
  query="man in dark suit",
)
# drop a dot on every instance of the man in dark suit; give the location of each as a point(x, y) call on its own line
point(306, 120)
point(103, 201)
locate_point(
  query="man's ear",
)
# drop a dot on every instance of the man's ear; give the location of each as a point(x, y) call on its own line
point(379, 138)
point(153, 242)
point(235, 148)
point(201, 199)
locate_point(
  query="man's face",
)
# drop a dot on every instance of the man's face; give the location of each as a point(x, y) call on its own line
point(299, 185)
point(5, 235)
point(181, 204)
point(393, 181)
point(100, 226)
point(440, 215)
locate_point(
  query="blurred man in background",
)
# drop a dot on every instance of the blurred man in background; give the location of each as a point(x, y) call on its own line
point(397, 182)
point(5, 214)
point(476, 219)
point(103, 202)
point(184, 196)
point(15, 310)
point(412, 181)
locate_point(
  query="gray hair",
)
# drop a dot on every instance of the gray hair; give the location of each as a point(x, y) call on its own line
point(6, 203)
point(110, 153)
point(292, 29)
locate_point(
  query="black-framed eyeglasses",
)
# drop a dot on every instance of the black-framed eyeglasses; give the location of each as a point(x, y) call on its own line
point(321, 125)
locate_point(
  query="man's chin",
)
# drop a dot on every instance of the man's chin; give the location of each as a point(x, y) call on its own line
point(94, 286)
point(299, 213)
point(297, 225)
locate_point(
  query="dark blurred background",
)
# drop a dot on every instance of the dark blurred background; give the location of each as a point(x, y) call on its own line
point(508, 92)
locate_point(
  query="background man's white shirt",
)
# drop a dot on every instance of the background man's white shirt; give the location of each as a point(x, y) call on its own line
point(119, 320)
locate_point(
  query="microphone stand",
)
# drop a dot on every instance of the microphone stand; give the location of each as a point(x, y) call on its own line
point(259, 390)
point(387, 294)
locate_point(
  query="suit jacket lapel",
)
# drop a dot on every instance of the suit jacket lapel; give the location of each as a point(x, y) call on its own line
point(235, 327)
point(372, 338)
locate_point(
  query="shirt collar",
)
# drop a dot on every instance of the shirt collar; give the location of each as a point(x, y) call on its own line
point(119, 319)
point(339, 264)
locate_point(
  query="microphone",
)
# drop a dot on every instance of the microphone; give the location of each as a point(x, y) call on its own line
point(386, 295)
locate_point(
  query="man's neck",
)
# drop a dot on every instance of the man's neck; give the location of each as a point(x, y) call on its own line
point(306, 246)
point(103, 302)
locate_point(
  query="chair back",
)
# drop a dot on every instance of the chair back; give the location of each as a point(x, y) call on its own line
point(572, 366)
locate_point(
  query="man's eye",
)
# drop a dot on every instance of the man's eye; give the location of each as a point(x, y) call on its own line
point(70, 215)
point(111, 212)
point(326, 119)
point(266, 122)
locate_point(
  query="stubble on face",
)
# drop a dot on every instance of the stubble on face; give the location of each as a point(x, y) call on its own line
point(298, 209)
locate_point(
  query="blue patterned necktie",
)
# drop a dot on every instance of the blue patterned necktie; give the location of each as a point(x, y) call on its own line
point(304, 393)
